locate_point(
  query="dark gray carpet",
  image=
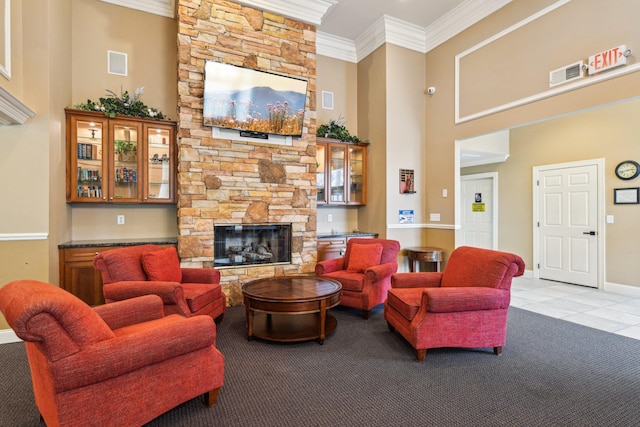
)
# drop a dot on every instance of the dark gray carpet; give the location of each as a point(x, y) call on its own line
point(551, 373)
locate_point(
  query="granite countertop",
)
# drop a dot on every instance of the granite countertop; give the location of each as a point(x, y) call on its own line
point(118, 242)
point(346, 234)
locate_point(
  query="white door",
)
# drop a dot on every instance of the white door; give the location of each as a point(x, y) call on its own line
point(568, 224)
point(478, 211)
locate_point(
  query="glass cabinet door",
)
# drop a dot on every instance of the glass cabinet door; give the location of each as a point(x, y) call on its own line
point(88, 145)
point(337, 157)
point(159, 163)
point(356, 175)
point(321, 185)
point(125, 165)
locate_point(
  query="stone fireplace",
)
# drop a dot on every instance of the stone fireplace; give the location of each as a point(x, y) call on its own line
point(230, 183)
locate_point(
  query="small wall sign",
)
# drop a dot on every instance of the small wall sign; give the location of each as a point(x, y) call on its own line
point(405, 216)
point(478, 207)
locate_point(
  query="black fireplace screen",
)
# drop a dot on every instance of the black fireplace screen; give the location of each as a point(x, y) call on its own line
point(236, 245)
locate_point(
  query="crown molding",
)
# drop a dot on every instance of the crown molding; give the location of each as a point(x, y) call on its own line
point(459, 19)
point(165, 8)
point(310, 11)
point(391, 30)
point(12, 110)
point(336, 47)
point(404, 34)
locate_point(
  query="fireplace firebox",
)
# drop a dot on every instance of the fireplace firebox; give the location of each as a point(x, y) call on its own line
point(254, 244)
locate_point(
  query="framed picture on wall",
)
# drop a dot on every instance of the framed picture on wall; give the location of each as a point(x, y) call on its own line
point(5, 38)
point(626, 196)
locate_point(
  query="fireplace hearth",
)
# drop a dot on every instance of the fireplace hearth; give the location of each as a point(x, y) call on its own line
point(254, 244)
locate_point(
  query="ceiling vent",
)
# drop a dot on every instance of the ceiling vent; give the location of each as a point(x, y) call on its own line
point(566, 74)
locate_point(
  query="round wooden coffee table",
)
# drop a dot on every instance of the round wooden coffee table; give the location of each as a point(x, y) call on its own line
point(291, 308)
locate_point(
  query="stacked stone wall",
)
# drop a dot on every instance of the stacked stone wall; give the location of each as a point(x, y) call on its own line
point(223, 181)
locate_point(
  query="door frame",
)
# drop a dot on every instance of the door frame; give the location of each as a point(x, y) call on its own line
point(600, 208)
point(494, 217)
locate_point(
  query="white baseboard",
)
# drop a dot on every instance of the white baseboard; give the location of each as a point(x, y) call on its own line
point(618, 288)
point(7, 336)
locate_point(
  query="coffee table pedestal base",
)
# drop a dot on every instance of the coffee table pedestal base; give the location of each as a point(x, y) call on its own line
point(291, 328)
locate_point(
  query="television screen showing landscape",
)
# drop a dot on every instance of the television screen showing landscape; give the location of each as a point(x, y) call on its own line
point(251, 100)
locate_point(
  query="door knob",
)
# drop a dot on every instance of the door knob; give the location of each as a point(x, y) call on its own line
point(591, 233)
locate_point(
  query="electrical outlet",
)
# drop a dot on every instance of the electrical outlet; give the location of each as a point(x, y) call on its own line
point(434, 217)
point(329, 218)
point(120, 219)
point(444, 192)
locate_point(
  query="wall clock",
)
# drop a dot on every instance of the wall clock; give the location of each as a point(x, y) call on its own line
point(628, 169)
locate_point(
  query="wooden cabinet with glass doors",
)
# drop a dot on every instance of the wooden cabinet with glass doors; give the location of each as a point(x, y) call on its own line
point(341, 172)
point(120, 160)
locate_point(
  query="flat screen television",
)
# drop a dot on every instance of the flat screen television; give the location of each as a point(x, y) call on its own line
point(252, 101)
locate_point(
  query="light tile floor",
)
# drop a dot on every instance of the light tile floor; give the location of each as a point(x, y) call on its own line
point(615, 309)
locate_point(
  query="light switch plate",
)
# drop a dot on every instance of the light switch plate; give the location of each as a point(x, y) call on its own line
point(434, 217)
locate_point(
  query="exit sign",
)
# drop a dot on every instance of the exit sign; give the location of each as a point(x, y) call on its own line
point(608, 59)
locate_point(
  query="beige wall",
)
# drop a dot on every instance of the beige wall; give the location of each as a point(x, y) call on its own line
point(372, 119)
point(405, 132)
point(339, 77)
point(607, 133)
point(30, 154)
point(591, 36)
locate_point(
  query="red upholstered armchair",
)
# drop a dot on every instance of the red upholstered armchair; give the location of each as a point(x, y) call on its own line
point(120, 364)
point(464, 306)
point(364, 272)
point(149, 269)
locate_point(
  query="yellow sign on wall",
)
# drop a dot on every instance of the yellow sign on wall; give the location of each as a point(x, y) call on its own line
point(478, 207)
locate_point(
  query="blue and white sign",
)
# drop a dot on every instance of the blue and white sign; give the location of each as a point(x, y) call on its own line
point(405, 216)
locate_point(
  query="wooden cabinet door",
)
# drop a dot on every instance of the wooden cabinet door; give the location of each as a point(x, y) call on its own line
point(87, 137)
point(82, 280)
point(159, 160)
point(78, 276)
point(330, 248)
point(357, 183)
point(321, 175)
point(125, 183)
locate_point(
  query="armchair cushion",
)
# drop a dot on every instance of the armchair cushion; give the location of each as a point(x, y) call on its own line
point(350, 280)
point(162, 265)
point(198, 295)
point(363, 257)
point(406, 301)
point(123, 265)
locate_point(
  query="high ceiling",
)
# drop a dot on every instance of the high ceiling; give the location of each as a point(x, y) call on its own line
point(351, 29)
point(350, 18)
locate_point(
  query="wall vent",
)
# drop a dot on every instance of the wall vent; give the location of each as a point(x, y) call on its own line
point(566, 74)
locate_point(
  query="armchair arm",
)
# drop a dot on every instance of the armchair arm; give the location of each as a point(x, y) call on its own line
point(449, 300)
point(379, 272)
point(170, 292)
point(152, 343)
point(131, 311)
point(416, 280)
point(329, 266)
point(200, 275)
